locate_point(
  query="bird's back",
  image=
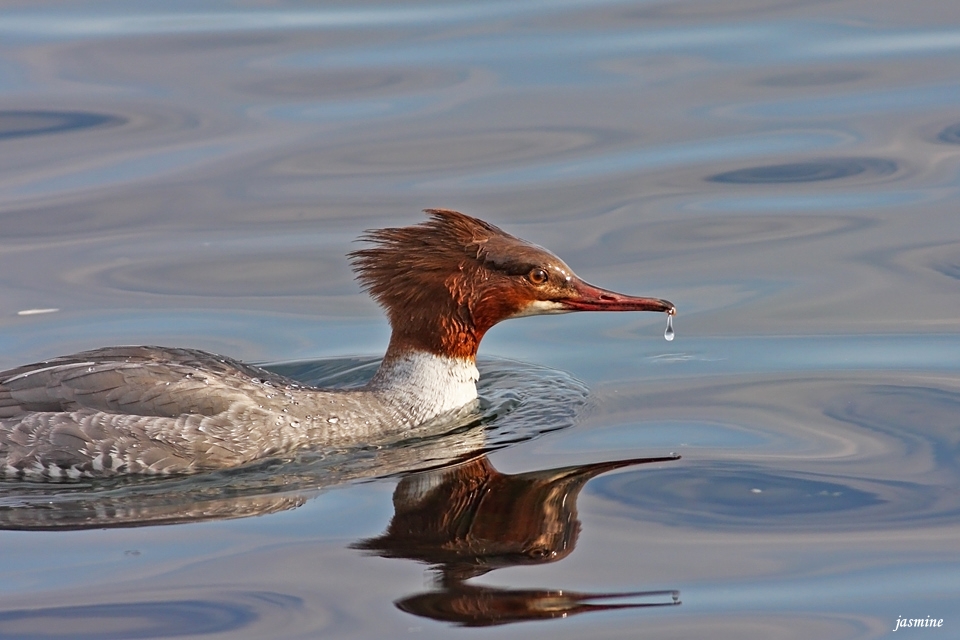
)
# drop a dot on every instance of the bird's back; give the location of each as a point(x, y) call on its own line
point(147, 410)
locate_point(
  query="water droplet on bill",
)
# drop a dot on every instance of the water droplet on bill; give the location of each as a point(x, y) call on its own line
point(668, 333)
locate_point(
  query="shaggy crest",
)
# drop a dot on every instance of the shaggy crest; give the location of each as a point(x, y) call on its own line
point(450, 261)
point(420, 252)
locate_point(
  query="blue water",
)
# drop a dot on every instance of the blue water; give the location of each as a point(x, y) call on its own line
point(192, 174)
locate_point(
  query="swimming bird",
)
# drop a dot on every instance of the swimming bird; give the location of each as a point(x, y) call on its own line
point(160, 411)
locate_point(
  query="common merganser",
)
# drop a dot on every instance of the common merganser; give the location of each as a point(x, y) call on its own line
point(159, 411)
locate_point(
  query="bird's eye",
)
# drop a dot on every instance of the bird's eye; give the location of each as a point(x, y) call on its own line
point(539, 553)
point(537, 276)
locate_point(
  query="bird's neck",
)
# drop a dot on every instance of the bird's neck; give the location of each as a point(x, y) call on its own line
point(423, 385)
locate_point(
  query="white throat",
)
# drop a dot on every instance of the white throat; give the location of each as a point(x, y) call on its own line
point(424, 385)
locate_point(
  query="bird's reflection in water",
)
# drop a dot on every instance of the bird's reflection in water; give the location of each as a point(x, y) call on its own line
point(463, 518)
point(469, 519)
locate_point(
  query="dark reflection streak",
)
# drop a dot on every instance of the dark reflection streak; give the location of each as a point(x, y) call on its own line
point(21, 124)
point(657, 11)
point(950, 135)
point(951, 270)
point(813, 171)
point(813, 78)
point(469, 519)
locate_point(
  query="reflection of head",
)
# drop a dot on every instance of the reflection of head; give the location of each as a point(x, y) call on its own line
point(468, 519)
point(471, 514)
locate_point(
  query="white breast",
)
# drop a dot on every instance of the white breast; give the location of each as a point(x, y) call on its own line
point(425, 385)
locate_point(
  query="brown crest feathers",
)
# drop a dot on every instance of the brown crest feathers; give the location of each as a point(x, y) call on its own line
point(425, 276)
point(412, 261)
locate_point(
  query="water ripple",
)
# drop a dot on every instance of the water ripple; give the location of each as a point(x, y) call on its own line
point(647, 158)
point(922, 262)
point(863, 452)
point(62, 24)
point(812, 171)
point(145, 619)
point(716, 233)
point(21, 124)
point(459, 151)
point(950, 135)
point(813, 78)
point(739, 494)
